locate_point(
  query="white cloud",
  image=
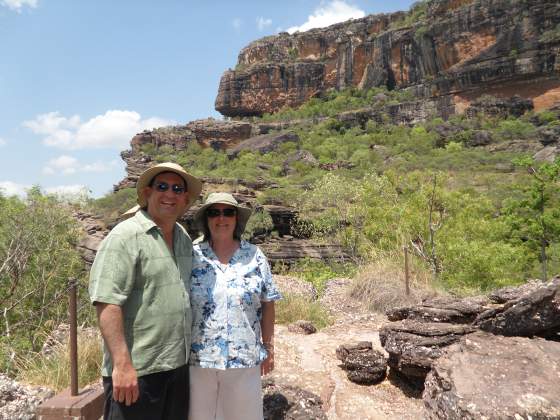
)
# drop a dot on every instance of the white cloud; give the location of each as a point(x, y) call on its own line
point(114, 129)
point(17, 5)
point(3, 142)
point(328, 14)
point(262, 23)
point(236, 23)
point(68, 165)
point(10, 188)
point(70, 193)
point(65, 164)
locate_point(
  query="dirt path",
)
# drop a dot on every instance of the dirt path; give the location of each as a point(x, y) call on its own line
point(309, 361)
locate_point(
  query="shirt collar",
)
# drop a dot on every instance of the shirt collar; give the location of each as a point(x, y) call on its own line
point(143, 219)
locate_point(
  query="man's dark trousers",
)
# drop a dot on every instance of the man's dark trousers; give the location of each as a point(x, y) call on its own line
point(162, 396)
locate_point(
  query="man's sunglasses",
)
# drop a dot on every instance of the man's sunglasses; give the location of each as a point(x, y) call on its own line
point(225, 212)
point(164, 186)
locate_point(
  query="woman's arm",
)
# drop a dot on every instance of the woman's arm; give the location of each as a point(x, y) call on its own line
point(267, 329)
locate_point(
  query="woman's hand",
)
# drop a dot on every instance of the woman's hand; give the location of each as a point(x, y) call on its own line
point(267, 365)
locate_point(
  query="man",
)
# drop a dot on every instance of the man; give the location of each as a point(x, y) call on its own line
point(139, 284)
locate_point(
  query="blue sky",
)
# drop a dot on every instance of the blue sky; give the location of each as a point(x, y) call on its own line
point(79, 78)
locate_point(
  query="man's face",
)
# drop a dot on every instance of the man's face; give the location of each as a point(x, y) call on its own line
point(165, 202)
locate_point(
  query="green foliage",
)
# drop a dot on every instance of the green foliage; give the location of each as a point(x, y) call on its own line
point(293, 308)
point(512, 129)
point(259, 223)
point(37, 257)
point(547, 117)
point(550, 36)
point(111, 206)
point(334, 102)
point(416, 13)
point(293, 53)
point(460, 238)
point(534, 218)
point(318, 272)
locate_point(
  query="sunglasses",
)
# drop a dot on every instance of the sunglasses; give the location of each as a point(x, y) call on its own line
point(218, 212)
point(164, 186)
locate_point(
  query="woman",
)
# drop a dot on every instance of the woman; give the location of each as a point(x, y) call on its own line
point(232, 298)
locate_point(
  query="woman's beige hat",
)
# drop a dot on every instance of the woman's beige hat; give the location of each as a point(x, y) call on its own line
point(194, 185)
point(243, 213)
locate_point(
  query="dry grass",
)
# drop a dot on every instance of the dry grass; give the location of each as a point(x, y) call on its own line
point(293, 307)
point(381, 285)
point(53, 371)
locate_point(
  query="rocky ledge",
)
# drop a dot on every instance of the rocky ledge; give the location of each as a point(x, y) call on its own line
point(455, 48)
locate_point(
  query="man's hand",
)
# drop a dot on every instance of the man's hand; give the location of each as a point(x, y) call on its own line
point(125, 385)
point(125, 379)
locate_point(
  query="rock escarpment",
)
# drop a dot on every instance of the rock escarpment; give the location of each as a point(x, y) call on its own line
point(455, 48)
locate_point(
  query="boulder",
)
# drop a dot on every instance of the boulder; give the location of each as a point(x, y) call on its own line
point(442, 309)
point(302, 327)
point(491, 377)
point(363, 364)
point(549, 135)
point(480, 138)
point(413, 346)
point(264, 143)
point(281, 401)
point(505, 294)
point(536, 313)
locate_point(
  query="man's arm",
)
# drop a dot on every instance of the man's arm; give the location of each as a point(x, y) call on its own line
point(125, 381)
point(267, 329)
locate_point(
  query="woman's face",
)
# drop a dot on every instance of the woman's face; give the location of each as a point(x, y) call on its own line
point(222, 219)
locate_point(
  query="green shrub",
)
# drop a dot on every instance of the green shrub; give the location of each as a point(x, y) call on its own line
point(318, 272)
point(293, 308)
point(111, 206)
point(511, 129)
point(37, 249)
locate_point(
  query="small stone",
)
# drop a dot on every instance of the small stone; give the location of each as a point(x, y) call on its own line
point(302, 327)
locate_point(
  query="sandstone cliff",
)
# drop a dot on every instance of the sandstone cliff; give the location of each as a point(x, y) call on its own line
point(455, 48)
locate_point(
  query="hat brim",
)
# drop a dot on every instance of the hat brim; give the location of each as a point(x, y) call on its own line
point(194, 185)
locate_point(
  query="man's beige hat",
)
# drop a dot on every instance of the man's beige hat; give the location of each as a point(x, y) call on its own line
point(243, 213)
point(194, 185)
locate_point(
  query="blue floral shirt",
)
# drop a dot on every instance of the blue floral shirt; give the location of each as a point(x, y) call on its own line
point(226, 305)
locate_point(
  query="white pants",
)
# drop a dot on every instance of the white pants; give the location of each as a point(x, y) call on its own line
point(231, 394)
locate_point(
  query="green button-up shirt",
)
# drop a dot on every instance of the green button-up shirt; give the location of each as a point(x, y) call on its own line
point(135, 269)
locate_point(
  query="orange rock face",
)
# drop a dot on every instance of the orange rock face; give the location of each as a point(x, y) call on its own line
point(459, 46)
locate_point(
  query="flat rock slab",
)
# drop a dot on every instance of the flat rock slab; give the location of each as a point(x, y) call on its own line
point(484, 376)
point(413, 346)
point(444, 309)
point(536, 313)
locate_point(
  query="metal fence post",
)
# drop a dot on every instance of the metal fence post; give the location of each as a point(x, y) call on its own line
point(73, 312)
point(406, 271)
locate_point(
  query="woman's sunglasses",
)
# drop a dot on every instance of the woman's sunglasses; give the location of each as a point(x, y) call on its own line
point(164, 186)
point(218, 212)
